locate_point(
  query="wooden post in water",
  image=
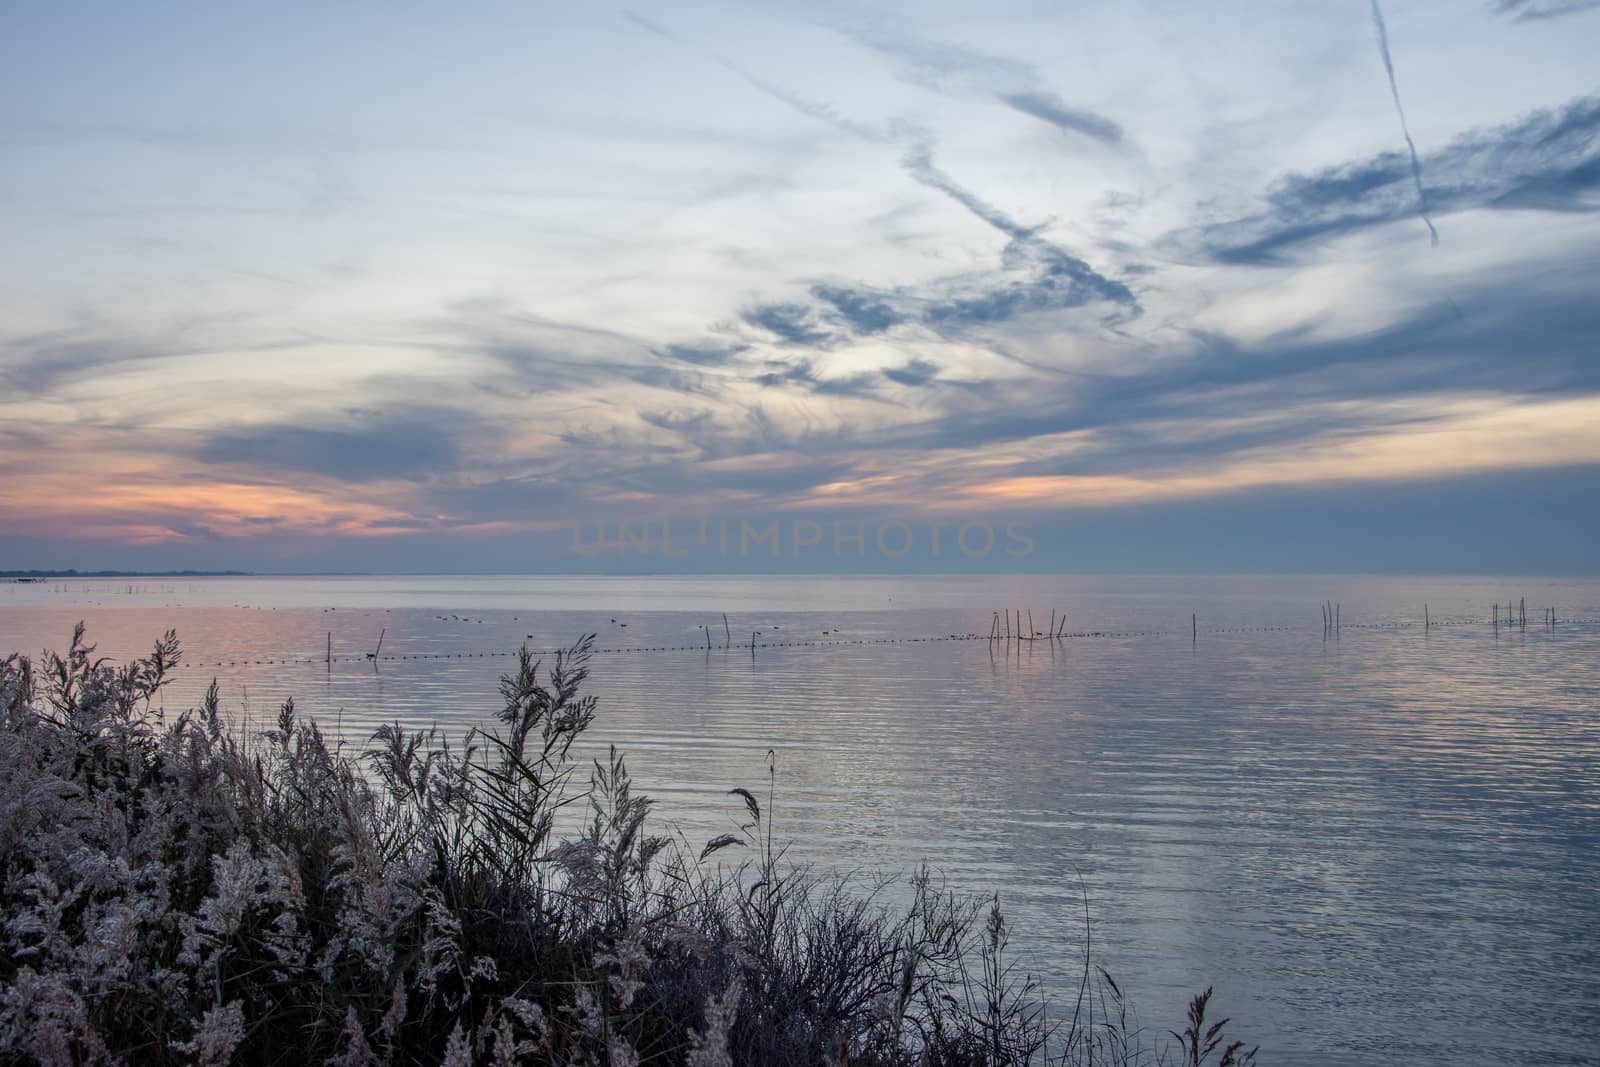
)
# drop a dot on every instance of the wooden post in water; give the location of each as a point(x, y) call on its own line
point(1427, 623)
point(726, 631)
point(330, 649)
point(1052, 622)
point(1008, 626)
point(1194, 629)
point(1031, 630)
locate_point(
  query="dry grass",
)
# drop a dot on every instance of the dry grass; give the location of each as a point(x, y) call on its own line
point(176, 892)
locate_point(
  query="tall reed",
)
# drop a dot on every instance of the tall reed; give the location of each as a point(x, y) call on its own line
point(175, 891)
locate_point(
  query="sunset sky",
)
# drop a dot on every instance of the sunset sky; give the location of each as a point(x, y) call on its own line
point(381, 287)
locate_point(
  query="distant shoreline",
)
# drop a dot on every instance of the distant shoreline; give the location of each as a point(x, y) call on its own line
point(34, 575)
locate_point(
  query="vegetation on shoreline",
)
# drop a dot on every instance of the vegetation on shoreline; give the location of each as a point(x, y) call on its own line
point(172, 891)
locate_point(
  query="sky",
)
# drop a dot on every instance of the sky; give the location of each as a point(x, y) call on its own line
point(826, 286)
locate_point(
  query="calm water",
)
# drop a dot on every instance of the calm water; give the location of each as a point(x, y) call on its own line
point(1384, 847)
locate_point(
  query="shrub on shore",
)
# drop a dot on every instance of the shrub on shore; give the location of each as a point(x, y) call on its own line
point(173, 891)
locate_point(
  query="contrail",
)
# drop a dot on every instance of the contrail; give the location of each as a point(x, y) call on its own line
point(1394, 91)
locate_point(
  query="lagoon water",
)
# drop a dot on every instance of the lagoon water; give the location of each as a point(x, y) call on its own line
point(1380, 845)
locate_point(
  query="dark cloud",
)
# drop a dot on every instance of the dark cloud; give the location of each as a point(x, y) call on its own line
point(1058, 113)
point(707, 355)
point(849, 385)
point(787, 373)
point(667, 378)
point(792, 323)
point(1547, 160)
point(677, 421)
point(916, 372)
point(1050, 280)
point(1215, 396)
point(803, 373)
point(195, 531)
point(865, 312)
point(410, 445)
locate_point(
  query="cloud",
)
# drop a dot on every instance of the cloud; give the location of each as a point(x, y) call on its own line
point(803, 373)
point(810, 108)
point(402, 445)
point(40, 363)
point(1532, 10)
point(864, 312)
point(1058, 113)
point(649, 24)
point(1547, 160)
point(1036, 275)
point(786, 373)
point(1050, 280)
point(916, 372)
point(1053, 277)
point(681, 422)
point(953, 69)
point(1212, 396)
point(792, 323)
point(707, 354)
point(667, 378)
point(919, 164)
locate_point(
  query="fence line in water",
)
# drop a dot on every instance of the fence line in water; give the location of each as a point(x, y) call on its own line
point(1328, 632)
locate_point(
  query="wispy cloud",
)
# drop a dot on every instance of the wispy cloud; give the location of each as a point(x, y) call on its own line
point(1054, 278)
point(704, 354)
point(1537, 10)
point(1548, 160)
point(965, 71)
